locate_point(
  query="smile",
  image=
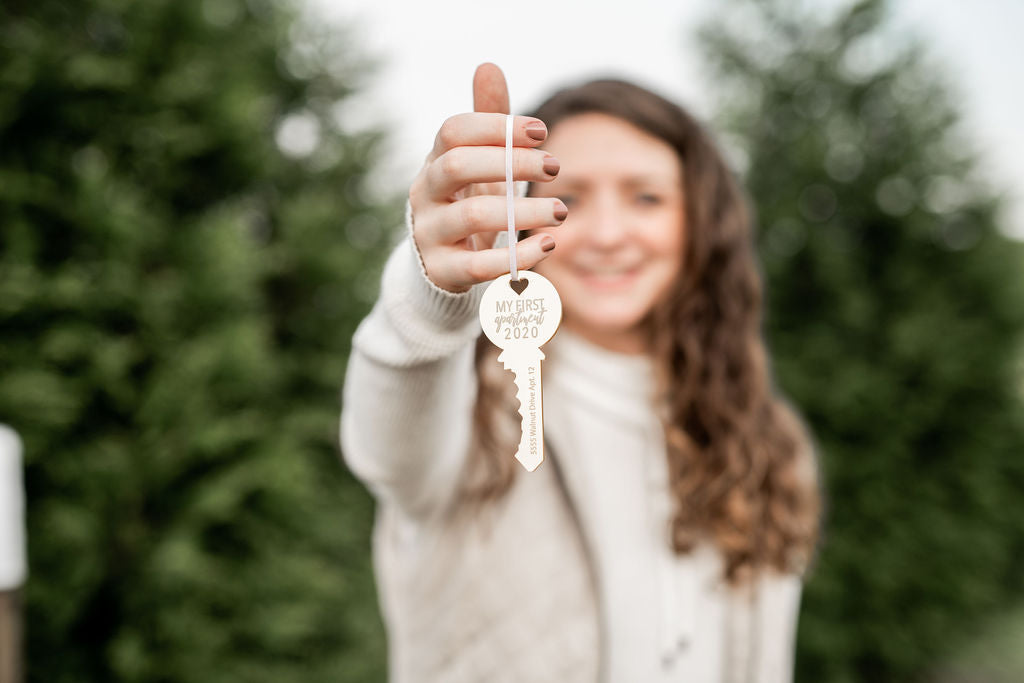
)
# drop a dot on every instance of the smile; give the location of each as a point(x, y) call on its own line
point(608, 278)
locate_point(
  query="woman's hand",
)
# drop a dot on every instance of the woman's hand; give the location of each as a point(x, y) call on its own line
point(458, 197)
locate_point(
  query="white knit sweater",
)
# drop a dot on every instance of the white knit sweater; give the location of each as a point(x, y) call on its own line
point(571, 577)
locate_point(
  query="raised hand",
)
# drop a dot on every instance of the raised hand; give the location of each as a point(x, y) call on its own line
point(458, 197)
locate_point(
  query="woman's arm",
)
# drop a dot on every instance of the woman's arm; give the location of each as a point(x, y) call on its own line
point(410, 385)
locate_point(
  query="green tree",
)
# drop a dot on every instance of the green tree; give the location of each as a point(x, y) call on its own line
point(895, 312)
point(184, 233)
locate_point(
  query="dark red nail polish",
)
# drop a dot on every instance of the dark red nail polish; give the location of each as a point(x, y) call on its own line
point(551, 166)
point(561, 210)
point(536, 130)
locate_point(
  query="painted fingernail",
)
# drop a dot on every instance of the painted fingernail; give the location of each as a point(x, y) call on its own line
point(536, 130)
point(551, 165)
point(547, 244)
point(561, 210)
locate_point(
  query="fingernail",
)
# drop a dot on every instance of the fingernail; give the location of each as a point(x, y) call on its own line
point(551, 165)
point(561, 210)
point(547, 244)
point(536, 130)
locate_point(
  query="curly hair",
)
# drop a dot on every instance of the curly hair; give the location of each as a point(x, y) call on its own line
point(741, 462)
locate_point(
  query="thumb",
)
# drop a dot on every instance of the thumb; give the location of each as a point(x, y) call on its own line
point(490, 92)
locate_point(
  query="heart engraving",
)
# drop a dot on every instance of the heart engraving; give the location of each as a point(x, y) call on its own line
point(519, 285)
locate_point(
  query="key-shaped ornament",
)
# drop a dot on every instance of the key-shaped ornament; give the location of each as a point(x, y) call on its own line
point(520, 316)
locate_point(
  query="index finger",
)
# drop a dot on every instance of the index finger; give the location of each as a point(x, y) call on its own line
point(479, 128)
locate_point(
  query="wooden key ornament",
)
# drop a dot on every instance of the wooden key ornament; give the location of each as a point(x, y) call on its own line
point(519, 313)
point(519, 317)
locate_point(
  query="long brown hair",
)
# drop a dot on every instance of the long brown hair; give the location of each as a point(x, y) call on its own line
point(741, 463)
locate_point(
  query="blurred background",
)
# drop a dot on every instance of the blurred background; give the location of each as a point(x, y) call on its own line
point(197, 196)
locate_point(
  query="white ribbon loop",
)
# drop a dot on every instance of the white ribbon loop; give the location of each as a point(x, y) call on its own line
point(509, 197)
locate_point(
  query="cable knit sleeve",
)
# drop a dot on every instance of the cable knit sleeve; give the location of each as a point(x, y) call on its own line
point(410, 385)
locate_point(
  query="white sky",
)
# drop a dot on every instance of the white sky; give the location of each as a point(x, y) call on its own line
point(430, 50)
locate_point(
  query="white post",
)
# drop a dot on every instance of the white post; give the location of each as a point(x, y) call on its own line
point(13, 565)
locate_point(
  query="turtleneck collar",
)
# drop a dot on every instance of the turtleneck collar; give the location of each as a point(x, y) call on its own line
point(612, 382)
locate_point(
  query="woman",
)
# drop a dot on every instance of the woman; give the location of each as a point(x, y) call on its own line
point(664, 536)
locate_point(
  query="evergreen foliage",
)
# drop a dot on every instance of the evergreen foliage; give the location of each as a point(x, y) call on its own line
point(895, 312)
point(184, 233)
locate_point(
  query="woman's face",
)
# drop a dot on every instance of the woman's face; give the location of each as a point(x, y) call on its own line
point(621, 246)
